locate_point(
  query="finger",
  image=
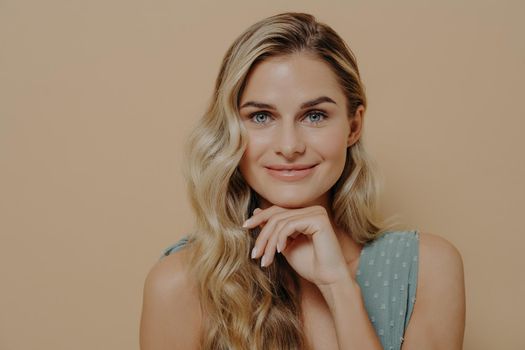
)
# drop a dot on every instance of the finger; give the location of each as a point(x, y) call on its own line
point(249, 223)
point(284, 227)
point(261, 215)
point(275, 214)
point(269, 251)
point(256, 211)
point(263, 237)
point(267, 232)
point(268, 226)
point(282, 242)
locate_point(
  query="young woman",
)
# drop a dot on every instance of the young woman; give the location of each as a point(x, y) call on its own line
point(288, 251)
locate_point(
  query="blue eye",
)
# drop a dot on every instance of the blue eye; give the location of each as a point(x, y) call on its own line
point(321, 116)
point(254, 115)
point(318, 113)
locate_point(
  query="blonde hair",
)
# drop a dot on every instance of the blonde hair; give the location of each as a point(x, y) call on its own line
point(246, 306)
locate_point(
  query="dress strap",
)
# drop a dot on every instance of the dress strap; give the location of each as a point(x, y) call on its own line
point(181, 243)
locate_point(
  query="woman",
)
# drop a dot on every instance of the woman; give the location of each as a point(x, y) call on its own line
point(314, 267)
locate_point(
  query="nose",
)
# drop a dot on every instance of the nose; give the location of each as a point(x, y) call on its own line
point(289, 140)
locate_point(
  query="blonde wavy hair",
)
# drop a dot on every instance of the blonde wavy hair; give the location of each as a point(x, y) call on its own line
point(245, 306)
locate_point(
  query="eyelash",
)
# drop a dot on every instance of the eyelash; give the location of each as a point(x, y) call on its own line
point(321, 113)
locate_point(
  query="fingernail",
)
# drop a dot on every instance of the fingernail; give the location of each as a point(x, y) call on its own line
point(246, 223)
point(256, 210)
point(278, 249)
point(263, 261)
point(254, 252)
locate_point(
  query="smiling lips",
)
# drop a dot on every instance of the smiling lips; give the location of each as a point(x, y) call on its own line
point(290, 172)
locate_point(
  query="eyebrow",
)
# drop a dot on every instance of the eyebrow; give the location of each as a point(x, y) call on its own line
point(307, 104)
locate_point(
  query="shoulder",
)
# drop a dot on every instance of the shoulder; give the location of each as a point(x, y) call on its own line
point(439, 250)
point(171, 311)
point(440, 267)
point(170, 274)
point(438, 318)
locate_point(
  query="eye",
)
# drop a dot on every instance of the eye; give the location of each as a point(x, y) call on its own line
point(318, 116)
point(254, 117)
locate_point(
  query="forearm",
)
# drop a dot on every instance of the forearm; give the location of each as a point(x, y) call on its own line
point(353, 327)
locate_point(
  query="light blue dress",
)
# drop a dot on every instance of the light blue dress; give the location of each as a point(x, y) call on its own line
point(387, 274)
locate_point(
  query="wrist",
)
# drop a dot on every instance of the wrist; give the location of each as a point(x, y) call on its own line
point(339, 290)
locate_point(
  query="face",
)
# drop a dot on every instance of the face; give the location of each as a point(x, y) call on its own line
point(295, 115)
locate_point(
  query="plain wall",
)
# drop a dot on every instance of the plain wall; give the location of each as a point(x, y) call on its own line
point(96, 98)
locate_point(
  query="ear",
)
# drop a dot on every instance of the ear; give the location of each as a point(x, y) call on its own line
point(356, 125)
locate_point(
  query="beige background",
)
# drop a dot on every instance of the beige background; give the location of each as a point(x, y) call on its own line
point(97, 96)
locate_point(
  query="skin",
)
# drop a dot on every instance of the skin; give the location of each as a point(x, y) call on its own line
point(296, 222)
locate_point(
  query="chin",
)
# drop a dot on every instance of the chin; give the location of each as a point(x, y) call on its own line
point(290, 203)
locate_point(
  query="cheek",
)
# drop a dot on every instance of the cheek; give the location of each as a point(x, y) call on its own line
point(256, 146)
point(335, 148)
point(249, 158)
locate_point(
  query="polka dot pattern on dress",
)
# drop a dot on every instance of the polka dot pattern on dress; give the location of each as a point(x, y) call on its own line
point(387, 275)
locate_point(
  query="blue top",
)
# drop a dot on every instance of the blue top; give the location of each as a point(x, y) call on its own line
point(387, 276)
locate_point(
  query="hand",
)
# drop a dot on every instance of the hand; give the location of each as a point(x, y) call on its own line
point(306, 239)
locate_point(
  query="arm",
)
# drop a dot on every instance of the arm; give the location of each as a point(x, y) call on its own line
point(352, 325)
point(438, 318)
point(170, 310)
point(318, 260)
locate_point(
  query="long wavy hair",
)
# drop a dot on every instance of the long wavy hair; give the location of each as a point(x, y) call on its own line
point(243, 305)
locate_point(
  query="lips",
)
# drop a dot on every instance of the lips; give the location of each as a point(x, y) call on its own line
point(293, 172)
point(291, 166)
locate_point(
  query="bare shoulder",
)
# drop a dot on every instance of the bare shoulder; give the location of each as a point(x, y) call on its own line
point(171, 314)
point(438, 318)
point(438, 252)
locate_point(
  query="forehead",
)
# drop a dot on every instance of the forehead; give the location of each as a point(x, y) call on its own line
point(291, 79)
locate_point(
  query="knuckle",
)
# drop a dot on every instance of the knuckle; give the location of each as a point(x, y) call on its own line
point(289, 225)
